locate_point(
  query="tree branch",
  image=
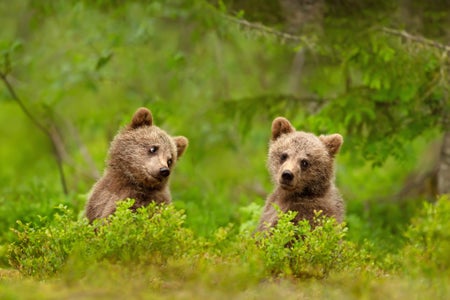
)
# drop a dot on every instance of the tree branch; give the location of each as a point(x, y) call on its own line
point(13, 94)
point(50, 135)
point(267, 30)
point(416, 38)
point(296, 38)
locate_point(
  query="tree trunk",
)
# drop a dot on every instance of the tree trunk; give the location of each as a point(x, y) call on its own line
point(443, 176)
point(301, 17)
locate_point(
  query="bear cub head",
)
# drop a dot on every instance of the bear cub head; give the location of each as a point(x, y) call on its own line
point(144, 153)
point(301, 162)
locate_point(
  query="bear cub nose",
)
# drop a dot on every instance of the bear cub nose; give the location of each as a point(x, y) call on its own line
point(164, 172)
point(287, 175)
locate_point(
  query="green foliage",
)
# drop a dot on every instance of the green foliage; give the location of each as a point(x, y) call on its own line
point(153, 245)
point(428, 240)
point(302, 251)
point(42, 251)
point(151, 235)
point(155, 234)
point(381, 117)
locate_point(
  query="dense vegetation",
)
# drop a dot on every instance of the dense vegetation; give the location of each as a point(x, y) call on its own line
point(73, 72)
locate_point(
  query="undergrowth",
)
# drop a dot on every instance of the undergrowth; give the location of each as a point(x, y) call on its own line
point(303, 251)
point(428, 241)
point(156, 237)
point(152, 235)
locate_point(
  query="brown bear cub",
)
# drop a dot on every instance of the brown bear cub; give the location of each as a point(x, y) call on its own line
point(140, 159)
point(301, 166)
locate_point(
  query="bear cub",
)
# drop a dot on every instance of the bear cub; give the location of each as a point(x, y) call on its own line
point(140, 160)
point(301, 167)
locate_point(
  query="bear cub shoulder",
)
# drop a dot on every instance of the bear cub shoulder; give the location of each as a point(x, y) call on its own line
point(302, 169)
point(140, 160)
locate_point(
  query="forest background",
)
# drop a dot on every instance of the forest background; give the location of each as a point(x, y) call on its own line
point(218, 72)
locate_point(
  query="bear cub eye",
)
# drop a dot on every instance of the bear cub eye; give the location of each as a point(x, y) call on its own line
point(304, 164)
point(153, 149)
point(283, 157)
point(169, 162)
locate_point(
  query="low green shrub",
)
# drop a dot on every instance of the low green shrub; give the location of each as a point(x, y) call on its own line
point(302, 251)
point(151, 235)
point(428, 240)
point(155, 236)
point(42, 249)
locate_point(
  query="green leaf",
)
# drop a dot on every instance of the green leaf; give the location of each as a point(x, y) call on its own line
point(103, 60)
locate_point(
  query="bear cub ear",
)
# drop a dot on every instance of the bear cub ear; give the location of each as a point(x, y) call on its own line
point(281, 126)
point(142, 117)
point(333, 143)
point(182, 143)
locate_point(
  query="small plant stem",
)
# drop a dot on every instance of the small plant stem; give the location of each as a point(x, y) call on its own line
point(40, 126)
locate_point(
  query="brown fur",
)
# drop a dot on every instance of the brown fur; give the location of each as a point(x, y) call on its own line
point(133, 170)
point(301, 166)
